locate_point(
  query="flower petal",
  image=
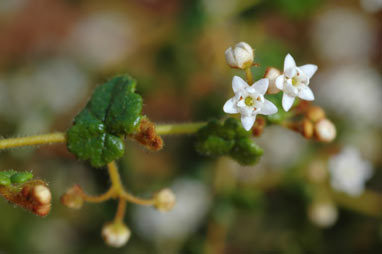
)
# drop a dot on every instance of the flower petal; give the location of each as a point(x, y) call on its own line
point(268, 108)
point(230, 106)
point(280, 82)
point(238, 84)
point(290, 89)
point(261, 86)
point(308, 69)
point(248, 121)
point(289, 63)
point(287, 101)
point(230, 57)
point(306, 93)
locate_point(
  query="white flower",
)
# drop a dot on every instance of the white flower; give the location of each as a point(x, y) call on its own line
point(249, 101)
point(349, 172)
point(116, 234)
point(240, 56)
point(294, 82)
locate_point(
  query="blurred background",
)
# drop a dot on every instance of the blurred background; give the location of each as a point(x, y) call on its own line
point(54, 52)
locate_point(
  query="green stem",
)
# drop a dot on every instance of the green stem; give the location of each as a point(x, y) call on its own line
point(180, 128)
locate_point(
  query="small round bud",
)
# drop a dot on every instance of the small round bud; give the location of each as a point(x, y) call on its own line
point(41, 194)
point(325, 130)
point(323, 214)
point(315, 113)
point(307, 128)
point(164, 200)
point(116, 234)
point(72, 198)
point(42, 210)
point(239, 56)
point(272, 74)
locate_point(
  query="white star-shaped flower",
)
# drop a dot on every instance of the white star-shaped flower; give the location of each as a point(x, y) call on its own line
point(295, 82)
point(249, 101)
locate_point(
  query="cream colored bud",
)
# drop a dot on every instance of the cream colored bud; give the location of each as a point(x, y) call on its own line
point(73, 198)
point(325, 130)
point(315, 113)
point(323, 214)
point(239, 56)
point(164, 200)
point(42, 194)
point(116, 234)
point(272, 74)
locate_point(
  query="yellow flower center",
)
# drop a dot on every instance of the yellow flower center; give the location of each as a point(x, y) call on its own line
point(294, 81)
point(249, 101)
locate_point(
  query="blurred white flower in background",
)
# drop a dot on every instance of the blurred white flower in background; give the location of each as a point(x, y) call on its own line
point(35, 93)
point(371, 5)
point(102, 39)
point(193, 201)
point(343, 34)
point(282, 147)
point(349, 172)
point(357, 96)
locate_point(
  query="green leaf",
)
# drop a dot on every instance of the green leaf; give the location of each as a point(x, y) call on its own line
point(114, 110)
point(230, 138)
point(9, 177)
point(246, 152)
point(21, 177)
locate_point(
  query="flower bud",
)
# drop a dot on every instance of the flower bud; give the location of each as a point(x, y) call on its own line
point(73, 198)
point(323, 214)
point(42, 194)
point(307, 128)
point(116, 234)
point(315, 113)
point(272, 74)
point(239, 56)
point(164, 200)
point(325, 130)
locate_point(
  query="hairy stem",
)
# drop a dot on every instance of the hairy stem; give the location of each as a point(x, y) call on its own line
point(180, 128)
point(51, 138)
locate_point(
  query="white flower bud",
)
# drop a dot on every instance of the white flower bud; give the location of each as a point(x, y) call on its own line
point(240, 56)
point(272, 74)
point(42, 194)
point(164, 200)
point(325, 130)
point(116, 234)
point(323, 214)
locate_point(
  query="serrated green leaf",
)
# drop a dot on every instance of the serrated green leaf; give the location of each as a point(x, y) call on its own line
point(9, 177)
point(114, 110)
point(230, 138)
point(21, 177)
point(4, 180)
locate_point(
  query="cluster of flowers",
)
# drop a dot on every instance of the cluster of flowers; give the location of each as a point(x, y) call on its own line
point(249, 99)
